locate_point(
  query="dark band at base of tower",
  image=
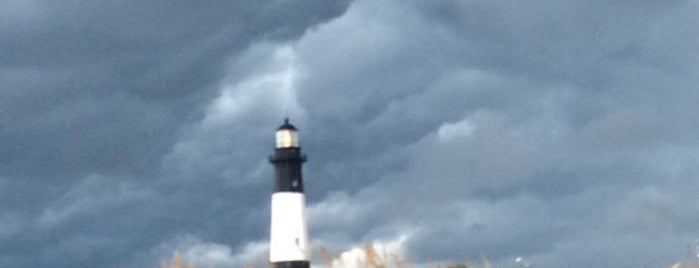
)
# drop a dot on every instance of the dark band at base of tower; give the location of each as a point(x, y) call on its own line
point(291, 264)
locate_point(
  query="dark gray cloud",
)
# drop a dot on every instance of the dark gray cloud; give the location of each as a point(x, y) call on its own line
point(551, 130)
point(554, 130)
point(140, 69)
point(94, 96)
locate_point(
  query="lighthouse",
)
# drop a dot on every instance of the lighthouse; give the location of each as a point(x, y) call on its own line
point(288, 243)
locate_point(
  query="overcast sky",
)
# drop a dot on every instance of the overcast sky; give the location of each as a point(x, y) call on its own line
point(564, 132)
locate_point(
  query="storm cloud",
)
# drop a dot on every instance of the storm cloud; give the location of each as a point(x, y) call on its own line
point(559, 131)
point(94, 96)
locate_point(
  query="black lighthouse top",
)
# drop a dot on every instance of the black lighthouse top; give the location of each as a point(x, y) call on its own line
point(287, 125)
point(287, 160)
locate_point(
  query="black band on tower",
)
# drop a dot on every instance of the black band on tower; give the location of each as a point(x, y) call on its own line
point(287, 169)
point(291, 264)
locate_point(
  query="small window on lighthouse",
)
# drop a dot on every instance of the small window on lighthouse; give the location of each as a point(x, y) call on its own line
point(297, 241)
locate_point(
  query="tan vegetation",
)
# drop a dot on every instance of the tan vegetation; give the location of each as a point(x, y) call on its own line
point(684, 265)
point(176, 262)
point(373, 258)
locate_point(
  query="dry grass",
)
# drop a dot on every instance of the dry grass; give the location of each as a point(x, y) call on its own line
point(684, 265)
point(176, 262)
point(373, 258)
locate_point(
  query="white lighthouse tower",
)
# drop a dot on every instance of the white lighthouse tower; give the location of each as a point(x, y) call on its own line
point(288, 244)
